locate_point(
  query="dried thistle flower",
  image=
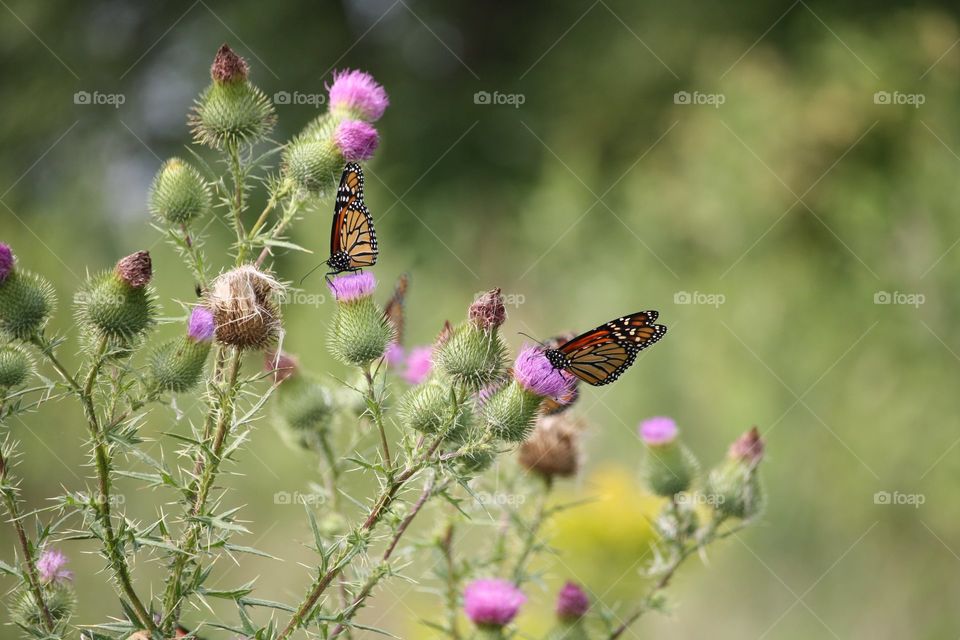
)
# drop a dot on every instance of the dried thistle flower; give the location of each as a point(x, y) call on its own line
point(487, 312)
point(244, 305)
point(136, 269)
point(228, 66)
point(553, 449)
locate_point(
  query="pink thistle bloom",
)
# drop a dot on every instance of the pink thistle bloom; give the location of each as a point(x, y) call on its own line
point(50, 566)
point(492, 602)
point(356, 139)
point(6, 261)
point(394, 355)
point(535, 373)
point(658, 431)
point(201, 326)
point(572, 602)
point(358, 91)
point(419, 365)
point(353, 286)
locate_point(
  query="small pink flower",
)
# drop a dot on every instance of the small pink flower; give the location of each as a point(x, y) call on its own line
point(419, 365)
point(50, 566)
point(201, 327)
point(394, 355)
point(658, 431)
point(358, 91)
point(6, 261)
point(492, 602)
point(535, 373)
point(572, 602)
point(353, 286)
point(356, 139)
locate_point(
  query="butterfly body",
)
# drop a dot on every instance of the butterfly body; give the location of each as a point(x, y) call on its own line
point(353, 240)
point(600, 356)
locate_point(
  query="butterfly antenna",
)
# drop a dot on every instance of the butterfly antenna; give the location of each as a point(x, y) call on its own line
point(310, 272)
point(532, 338)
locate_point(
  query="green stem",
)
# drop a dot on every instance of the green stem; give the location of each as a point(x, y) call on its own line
point(530, 539)
point(236, 209)
point(289, 213)
point(452, 586)
point(377, 413)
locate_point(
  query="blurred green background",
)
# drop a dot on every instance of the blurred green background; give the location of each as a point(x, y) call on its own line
point(796, 229)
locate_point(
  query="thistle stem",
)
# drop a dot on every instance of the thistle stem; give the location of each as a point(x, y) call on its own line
point(530, 540)
point(378, 419)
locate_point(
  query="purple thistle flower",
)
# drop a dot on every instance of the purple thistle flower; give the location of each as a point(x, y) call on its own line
point(357, 90)
point(535, 373)
point(201, 326)
point(419, 365)
point(6, 261)
point(353, 286)
point(572, 602)
point(658, 431)
point(356, 139)
point(394, 355)
point(50, 565)
point(492, 602)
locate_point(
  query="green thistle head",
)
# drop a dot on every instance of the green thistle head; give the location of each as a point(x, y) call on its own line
point(313, 164)
point(231, 111)
point(510, 413)
point(26, 612)
point(120, 306)
point(472, 356)
point(179, 193)
point(359, 333)
point(26, 299)
point(429, 408)
point(16, 365)
point(733, 488)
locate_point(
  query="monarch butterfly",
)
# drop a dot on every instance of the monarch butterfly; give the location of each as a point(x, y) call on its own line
point(353, 241)
point(393, 312)
point(601, 355)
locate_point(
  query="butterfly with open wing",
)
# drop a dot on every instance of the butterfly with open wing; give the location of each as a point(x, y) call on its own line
point(601, 355)
point(353, 241)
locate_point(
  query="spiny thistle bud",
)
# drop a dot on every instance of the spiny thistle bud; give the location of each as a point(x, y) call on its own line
point(487, 312)
point(356, 140)
point(313, 164)
point(59, 599)
point(15, 367)
point(733, 488)
point(178, 365)
point(471, 356)
point(231, 111)
point(179, 193)
point(119, 305)
point(358, 95)
point(26, 299)
point(511, 411)
point(553, 449)
point(244, 305)
point(359, 333)
point(428, 408)
point(670, 467)
point(492, 603)
point(303, 407)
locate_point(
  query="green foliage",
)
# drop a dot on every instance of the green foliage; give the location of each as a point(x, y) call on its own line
point(16, 366)
point(26, 303)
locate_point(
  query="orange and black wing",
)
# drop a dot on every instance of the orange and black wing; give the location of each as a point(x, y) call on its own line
point(349, 193)
point(600, 356)
point(393, 312)
point(357, 237)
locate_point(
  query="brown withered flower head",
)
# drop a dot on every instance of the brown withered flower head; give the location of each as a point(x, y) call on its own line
point(243, 301)
point(136, 269)
point(228, 66)
point(748, 448)
point(553, 449)
point(488, 312)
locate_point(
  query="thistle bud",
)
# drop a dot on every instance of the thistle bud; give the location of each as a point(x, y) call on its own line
point(26, 299)
point(15, 367)
point(553, 449)
point(428, 408)
point(244, 305)
point(179, 194)
point(231, 111)
point(670, 467)
point(359, 333)
point(303, 407)
point(313, 164)
point(733, 488)
point(119, 305)
point(512, 410)
point(178, 365)
point(572, 605)
point(357, 95)
point(471, 356)
point(26, 612)
point(487, 312)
